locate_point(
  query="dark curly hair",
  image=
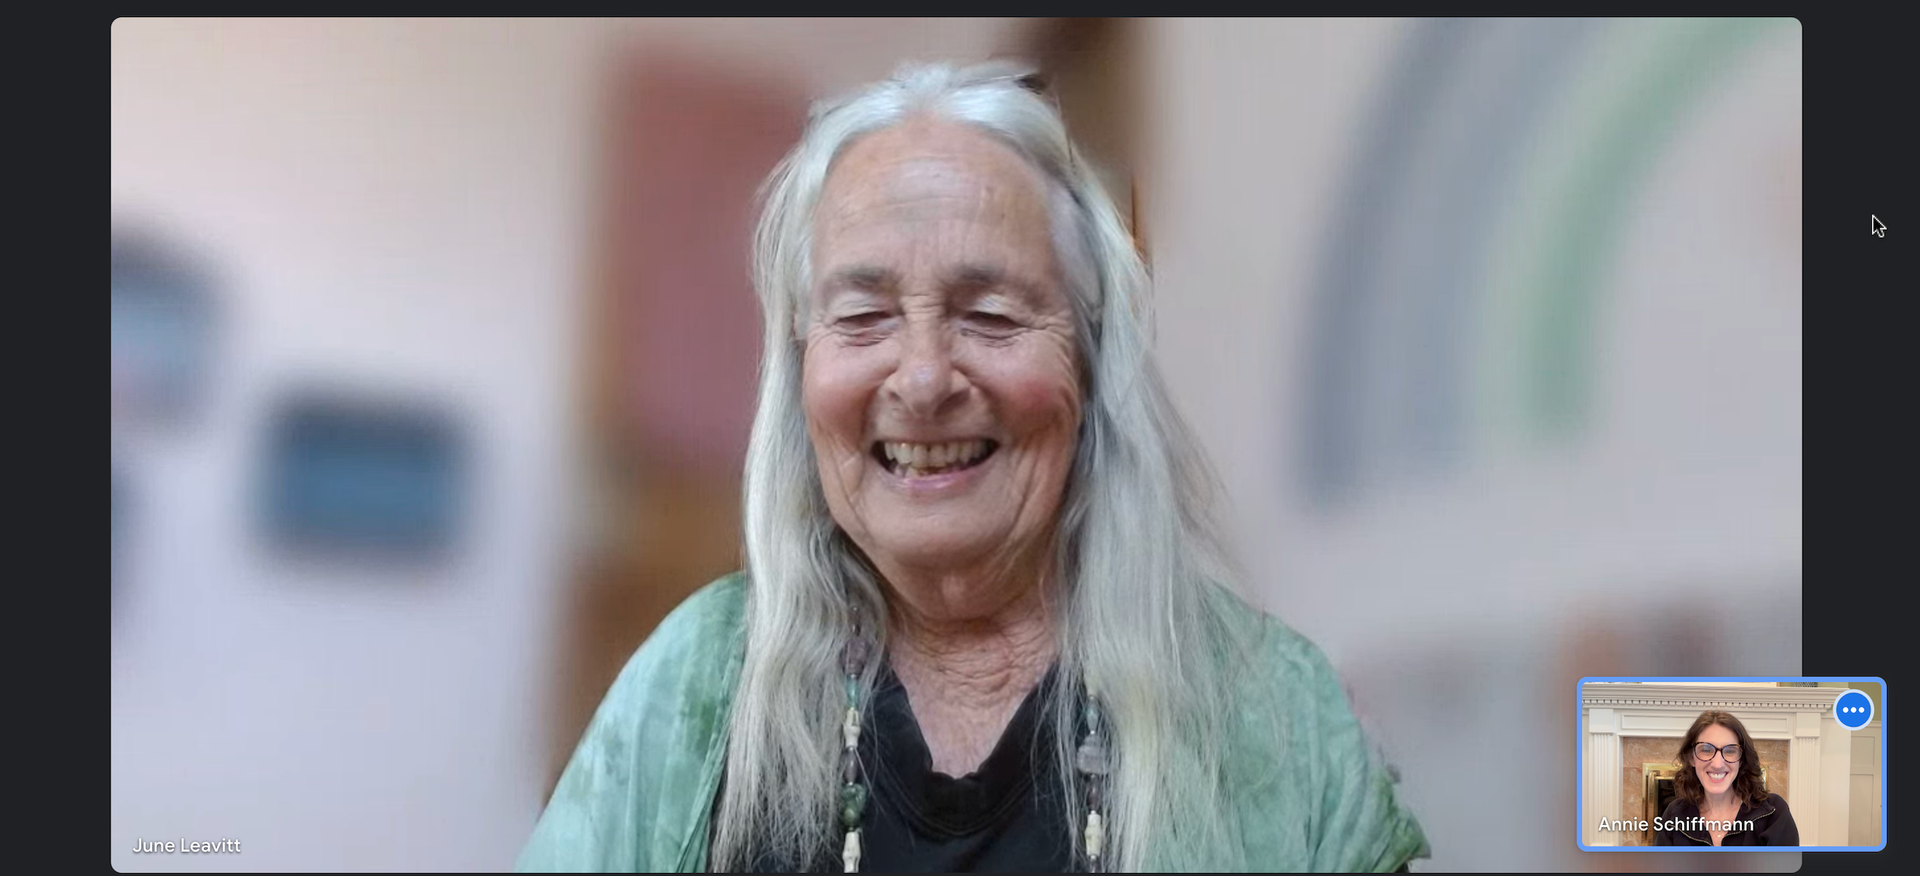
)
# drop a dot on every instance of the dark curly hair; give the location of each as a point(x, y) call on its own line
point(1748, 784)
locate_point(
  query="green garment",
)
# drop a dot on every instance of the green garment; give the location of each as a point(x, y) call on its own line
point(639, 791)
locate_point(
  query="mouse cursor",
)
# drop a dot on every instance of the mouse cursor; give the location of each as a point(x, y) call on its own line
point(1879, 228)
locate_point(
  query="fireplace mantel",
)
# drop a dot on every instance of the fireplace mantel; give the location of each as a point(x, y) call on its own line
point(1817, 759)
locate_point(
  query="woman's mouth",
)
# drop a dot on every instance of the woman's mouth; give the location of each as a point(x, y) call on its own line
point(1718, 775)
point(916, 460)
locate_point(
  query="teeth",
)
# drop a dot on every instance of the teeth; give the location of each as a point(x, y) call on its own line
point(918, 459)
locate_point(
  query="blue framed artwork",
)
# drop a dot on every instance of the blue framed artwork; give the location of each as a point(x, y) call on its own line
point(163, 327)
point(121, 510)
point(357, 477)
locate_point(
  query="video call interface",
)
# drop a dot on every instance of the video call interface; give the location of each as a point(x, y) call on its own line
point(439, 353)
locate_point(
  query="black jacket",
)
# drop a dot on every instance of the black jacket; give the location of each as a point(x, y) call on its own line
point(1772, 825)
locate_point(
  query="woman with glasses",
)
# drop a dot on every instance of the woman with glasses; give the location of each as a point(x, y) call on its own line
point(1720, 797)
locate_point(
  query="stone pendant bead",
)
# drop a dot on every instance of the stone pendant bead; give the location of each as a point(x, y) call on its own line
point(850, 853)
point(1096, 835)
point(1091, 758)
point(1092, 716)
point(849, 767)
point(853, 690)
point(1093, 794)
point(853, 656)
point(853, 804)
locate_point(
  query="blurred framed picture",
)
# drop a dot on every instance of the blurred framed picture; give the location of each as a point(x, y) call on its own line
point(163, 328)
point(121, 510)
point(357, 477)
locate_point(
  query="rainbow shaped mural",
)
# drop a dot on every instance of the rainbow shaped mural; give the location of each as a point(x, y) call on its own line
point(1460, 299)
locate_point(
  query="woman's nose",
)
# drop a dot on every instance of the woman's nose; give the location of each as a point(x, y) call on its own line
point(925, 380)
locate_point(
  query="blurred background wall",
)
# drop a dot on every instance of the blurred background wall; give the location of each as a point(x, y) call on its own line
point(396, 212)
point(1492, 328)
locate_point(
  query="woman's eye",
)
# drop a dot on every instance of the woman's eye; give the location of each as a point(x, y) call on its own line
point(992, 321)
point(864, 320)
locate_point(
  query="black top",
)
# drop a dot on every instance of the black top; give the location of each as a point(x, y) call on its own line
point(1006, 816)
point(1772, 825)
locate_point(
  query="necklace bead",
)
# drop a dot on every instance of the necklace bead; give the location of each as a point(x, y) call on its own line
point(850, 729)
point(853, 657)
point(1092, 758)
point(850, 853)
point(853, 804)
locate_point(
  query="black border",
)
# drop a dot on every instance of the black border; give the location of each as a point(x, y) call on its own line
point(1856, 165)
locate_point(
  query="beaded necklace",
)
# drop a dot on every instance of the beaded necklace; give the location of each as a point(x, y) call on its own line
point(1090, 759)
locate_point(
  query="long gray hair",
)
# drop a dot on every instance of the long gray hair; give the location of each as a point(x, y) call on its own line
point(1135, 582)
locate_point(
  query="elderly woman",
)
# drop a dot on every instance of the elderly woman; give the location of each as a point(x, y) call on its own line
point(985, 621)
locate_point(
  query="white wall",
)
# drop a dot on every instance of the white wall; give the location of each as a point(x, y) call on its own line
point(393, 206)
point(1461, 608)
point(1864, 807)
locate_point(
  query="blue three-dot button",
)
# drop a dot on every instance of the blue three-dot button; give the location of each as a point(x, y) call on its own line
point(1853, 710)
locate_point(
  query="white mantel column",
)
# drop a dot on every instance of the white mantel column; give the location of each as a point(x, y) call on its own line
point(1603, 775)
point(1805, 791)
point(1836, 769)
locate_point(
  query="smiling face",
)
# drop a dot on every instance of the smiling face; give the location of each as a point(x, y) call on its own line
point(1717, 775)
point(939, 377)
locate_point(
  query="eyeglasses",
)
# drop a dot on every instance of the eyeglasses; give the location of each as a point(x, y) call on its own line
point(1729, 752)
